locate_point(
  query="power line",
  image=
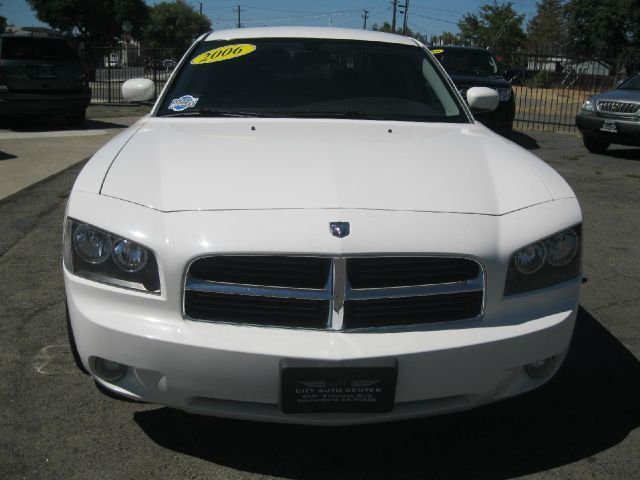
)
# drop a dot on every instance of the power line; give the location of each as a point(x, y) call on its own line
point(442, 10)
point(296, 17)
point(433, 18)
point(274, 9)
point(373, 11)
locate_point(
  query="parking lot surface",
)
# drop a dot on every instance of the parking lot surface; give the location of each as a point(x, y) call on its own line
point(30, 152)
point(55, 424)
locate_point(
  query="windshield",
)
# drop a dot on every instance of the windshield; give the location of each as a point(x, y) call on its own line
point(466, 62)
point(27, 48)
point(311, 77)
point(632, 84)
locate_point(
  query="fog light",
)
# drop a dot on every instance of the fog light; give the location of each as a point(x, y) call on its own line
point(110, 371)
point(540, 368)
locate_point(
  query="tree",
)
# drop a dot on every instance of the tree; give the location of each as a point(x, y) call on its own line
point(3, 24)
point(603, 28)
point(547, 29)
point(97, 20)
point(386, 27)
point(446, 38)
point(175, 23)
point(498, 26)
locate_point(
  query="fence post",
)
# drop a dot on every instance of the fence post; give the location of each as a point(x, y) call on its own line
point(616, 76)
point(109, 75)
point(155, 71)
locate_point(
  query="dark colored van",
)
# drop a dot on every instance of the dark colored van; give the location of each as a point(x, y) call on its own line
point(42, 76)
point(477, 67)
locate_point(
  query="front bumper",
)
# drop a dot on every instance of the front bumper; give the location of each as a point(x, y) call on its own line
point(628, 129)
point(234, 370)
point(18, 104)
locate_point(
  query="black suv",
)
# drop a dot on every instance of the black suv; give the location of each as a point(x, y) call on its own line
point(477, 67)
point(42, 76)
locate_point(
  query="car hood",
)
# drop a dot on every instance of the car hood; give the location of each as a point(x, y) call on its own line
point(177, 164)
point(620, 96)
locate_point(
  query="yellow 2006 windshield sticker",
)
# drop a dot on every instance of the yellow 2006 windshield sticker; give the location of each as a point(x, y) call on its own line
point(437, 51)
point(227, 52)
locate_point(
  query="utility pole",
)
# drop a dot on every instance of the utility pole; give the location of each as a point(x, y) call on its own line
point(238, 9)
point(200, 8)
point(406, 12)
point(365, 15)
point(393, 18)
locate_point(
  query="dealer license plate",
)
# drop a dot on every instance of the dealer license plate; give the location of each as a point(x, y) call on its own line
point(45, 72)
point(338, 388)
point(607, 126)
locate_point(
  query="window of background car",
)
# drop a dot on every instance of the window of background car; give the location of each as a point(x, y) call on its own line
point(27, 48)
point(470, 62)
point(314, 77)
point(632, 84)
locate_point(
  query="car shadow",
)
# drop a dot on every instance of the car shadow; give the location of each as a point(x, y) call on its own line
point(623, 153)
point(524, 140)
point(6, 156)
point(591, 405)
point(44, 124)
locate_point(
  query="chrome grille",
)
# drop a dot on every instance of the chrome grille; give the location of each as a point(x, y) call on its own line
point(618, 107)
point(333, 293)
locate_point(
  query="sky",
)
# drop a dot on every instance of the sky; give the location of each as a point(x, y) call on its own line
point(430, 17)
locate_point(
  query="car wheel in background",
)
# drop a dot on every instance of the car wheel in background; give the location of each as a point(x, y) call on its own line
point(594, 146)
point(505, 131)
point(76, 118)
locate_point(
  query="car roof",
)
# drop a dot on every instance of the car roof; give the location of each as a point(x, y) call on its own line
point(37, 36)
point(457, 47)
point(310, 32)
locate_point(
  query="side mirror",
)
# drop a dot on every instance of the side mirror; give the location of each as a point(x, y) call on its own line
point(619, 82)
point(138, 90)
point(482, 99)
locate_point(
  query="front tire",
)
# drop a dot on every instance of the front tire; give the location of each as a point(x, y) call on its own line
point(594, 146)
point(76, 118)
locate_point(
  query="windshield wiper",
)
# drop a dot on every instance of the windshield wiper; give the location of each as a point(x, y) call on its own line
point(350, 114)
point(216, 113)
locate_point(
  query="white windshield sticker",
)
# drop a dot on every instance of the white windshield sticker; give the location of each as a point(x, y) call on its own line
point(182, 103)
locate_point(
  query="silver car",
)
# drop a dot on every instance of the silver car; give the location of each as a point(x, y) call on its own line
point(612, 117)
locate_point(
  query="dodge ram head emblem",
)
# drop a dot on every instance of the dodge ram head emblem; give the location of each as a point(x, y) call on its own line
point(339, 229)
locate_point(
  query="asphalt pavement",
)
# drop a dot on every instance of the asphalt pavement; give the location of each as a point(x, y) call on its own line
point(31, 151)
point(584, 424)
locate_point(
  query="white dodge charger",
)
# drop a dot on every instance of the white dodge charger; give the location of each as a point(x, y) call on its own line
point(310, 227)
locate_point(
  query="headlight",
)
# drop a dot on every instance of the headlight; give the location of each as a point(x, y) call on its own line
point(92, 253)
point(551, 260)
point(93, 246)
point(589, 105)
point(504, 93)
point(130, 256)
point(530, 259)
point(562, 248)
